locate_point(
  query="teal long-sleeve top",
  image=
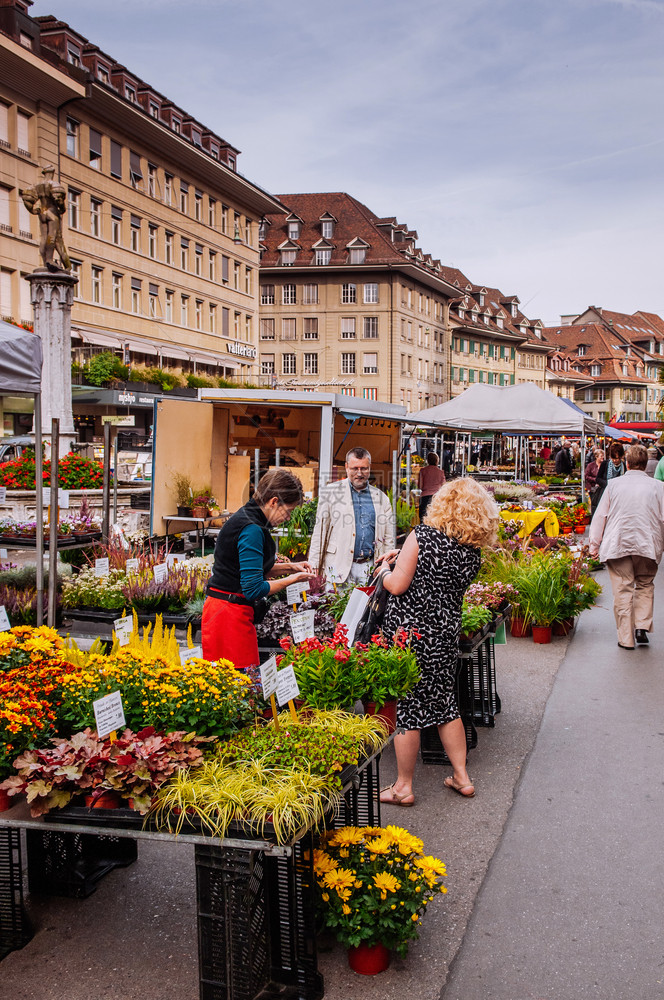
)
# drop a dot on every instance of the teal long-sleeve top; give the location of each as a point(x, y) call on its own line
point(250, 550)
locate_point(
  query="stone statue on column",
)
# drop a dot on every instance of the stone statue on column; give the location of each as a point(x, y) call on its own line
point(52, 296)
point(48, 201)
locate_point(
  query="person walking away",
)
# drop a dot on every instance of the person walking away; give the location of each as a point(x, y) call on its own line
point(439, 560)
point(431, 479)
point(563, 462)
point(653, 462)
point(245, 570)
point(628, 534)
point(592, 470)
point(354, 524)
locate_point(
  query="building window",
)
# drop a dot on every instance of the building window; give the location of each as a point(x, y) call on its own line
point(76, 273)
point(199, 314)
point(116, 225)
point(267, 329)
point(135, 234)
point(198, 260)
point(247, 280)
point(370, 327)
point(595, 369)
point(153, 301)
point(168, 311)
point(73, 54)
point(168, 247)
point(176, 124)
point(212, 212)
point(247, 326)
point(152, 242)
point(184, 197)
point(370, 365)
point(348, 294)
point(117, 291)
point(74, 207)
point(152, 180)
point(168, 189)
point(267, 295)
point(184, 311)
point(370, 393)
point(327, 229)
point(130, 93)
point(212, 266)
point(135, 295)
point(224, 220)
point(310, 294)
point(294, 230)
point(287, 257)
point(95, 149)
point(154, 110)
point(288, 329)
point(371, 291)
point(103, 75)
point(348, 328)
point(212, 317)
point(184, 254)
point(267, 364)
point(310, 328)
point(225, 262)
point(116, 159)
point(582, 350)
point(288, 295)
point(288, 364)
point(72, 128)
point(96, 284)
point(347, 364)
point(311, 364)
point(357, 255)
point(198, 206)
point(323, 256)
point(95, 217)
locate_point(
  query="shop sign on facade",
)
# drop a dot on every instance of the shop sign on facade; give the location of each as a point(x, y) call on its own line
point(123, 420)
point(290, 383)
point(243, 350)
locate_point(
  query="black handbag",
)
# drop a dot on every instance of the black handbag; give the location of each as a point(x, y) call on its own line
point(374, 613)
point(261, 607)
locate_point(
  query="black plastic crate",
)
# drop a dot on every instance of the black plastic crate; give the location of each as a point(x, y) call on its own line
point(481, 680)
point(140, 501)
point(15, 929)
point(71, 864)
point(360, 805)
point(256, 924)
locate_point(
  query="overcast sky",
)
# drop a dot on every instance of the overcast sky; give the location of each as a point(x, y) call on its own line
point(522, 139)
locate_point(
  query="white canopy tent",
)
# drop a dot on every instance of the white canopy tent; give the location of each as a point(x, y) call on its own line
point(515, 410)
point(20, 374)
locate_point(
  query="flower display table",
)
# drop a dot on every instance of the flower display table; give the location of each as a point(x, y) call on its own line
point(532, 519)
point(255, 898)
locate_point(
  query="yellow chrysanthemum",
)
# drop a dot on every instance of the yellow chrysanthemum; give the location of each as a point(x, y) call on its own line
point(386, 882)
point(323, 862)
point(339, 879)
point(346, 909)
point(431, 864)
point(346, 836)
point(404, 841)
point(379, 845)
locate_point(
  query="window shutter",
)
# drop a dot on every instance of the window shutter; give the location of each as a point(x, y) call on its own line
point(116, 159)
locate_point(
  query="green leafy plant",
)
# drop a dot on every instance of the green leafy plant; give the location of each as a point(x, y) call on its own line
point(181, 489)
point(474, 617)
point(375, 884)
point(326, 671)
point(105, 366)
point(389, 670)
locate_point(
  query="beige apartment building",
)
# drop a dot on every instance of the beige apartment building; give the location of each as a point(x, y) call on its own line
point(349, 303)
point(161, 229)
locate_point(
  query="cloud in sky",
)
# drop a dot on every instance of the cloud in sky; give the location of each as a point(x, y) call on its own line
point(523, 141)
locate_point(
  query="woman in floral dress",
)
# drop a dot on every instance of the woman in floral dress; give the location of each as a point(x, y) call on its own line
point(439, 560)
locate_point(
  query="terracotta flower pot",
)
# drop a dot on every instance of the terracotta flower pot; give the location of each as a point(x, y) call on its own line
point(542, 634)
point(369, 959)
point(387, 712)
point(579, 528)
point(519, 629)
point(199, 512)
point(566, 529)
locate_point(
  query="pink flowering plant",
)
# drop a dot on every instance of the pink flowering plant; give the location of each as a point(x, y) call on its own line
point(389, 669)
point(326, 670)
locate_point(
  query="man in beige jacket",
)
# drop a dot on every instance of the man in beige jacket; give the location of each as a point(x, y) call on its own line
point(354, 524)
point(628, 533)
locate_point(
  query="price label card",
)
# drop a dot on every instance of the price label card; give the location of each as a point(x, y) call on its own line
point(132, 566)
point(287, 688)
point(109, 714)
point(63, 498)
point(5, 624)
point(295, 590)
point(302, 625)
point(195, 653)
point(46, 496)
point(172, 558)
point(123, 629)
point(269, 677)
point(101, 567)
point(4, 554)
point(3, 494)
point(160, 572)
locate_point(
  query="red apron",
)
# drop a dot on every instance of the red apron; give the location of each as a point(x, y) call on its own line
point(228, 633)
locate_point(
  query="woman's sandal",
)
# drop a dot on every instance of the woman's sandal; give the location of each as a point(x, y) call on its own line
point(459, 789)
point(394, 799)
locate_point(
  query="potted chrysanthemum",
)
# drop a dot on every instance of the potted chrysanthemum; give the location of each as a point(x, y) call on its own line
point(374, 886)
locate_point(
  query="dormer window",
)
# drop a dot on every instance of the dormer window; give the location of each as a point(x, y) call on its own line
point(231, 162)
point(485, 317)
point(176, 124)
point(652, 347)
point(462, 313)
point(500, 322)
point(628, 351)
point(294, 229)
point(581, 350)
point(103, 74)
point(481, 298)
point(327, 229)
point(624, 369)
point(323, 255)
point(73, 54)
point(595, 370)
point(357, 255)
point(130, 93)
point(154, 110)
point(287, 257)
point(513, 310)
point(196, 137)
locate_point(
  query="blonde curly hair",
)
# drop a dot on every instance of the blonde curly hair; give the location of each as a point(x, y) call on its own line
point(464, 510)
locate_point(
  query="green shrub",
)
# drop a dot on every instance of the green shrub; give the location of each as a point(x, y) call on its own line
point(104, 367)
point(199, 382)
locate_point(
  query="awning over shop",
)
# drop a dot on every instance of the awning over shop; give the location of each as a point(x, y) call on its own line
point(20, 359)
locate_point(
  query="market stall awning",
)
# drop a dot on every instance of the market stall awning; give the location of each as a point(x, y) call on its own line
point(20, 359)
point(513, 409)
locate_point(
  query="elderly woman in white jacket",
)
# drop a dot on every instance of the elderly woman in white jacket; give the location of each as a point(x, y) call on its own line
point(627, 532)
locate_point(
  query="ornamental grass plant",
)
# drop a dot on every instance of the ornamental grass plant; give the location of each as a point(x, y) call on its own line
point(375, 884)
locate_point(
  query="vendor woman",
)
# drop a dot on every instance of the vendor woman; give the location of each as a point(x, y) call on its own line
point(244, 556)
